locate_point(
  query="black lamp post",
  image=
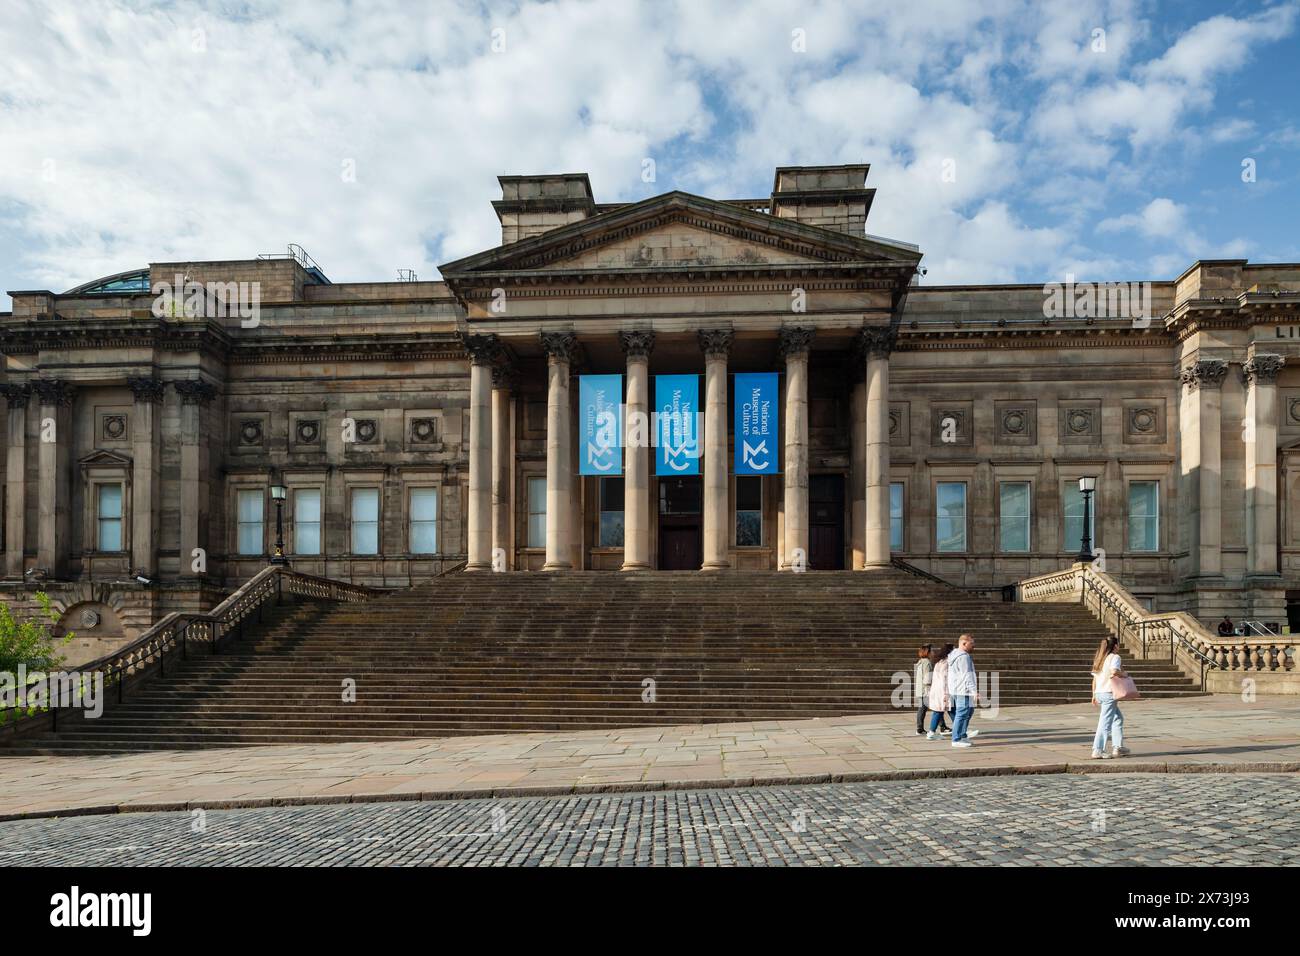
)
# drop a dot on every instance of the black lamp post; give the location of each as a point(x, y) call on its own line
point(278, 494)
point(1087, 485)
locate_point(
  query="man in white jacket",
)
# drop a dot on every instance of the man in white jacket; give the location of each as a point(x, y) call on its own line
point(962, 689)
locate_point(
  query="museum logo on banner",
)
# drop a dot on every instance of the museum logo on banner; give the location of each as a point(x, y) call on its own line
point(601, 399)
point(757, 425)
point(677, 402)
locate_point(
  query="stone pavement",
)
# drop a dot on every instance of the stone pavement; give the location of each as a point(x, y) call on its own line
point(1204, 733)
point(1228, 819)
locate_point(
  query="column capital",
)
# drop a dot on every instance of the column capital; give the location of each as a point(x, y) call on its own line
point(505, 377)
point(715, 343)
point(146, 389)
point(876, 341)
point(1262, 369)
point(795, 341)
point(560, 346)
point(1207, 374)
point(16, 395)
point(52, 391)
point(194, 392)
point(637, 344)
point(483, 349)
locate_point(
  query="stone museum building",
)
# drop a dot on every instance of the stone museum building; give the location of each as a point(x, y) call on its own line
point(161, 424)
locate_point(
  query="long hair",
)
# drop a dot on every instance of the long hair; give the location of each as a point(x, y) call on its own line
point(938, 654)
point(923, 652)
point(1108, 645)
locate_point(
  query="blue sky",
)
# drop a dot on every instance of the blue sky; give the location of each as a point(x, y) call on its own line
point(1011, 140)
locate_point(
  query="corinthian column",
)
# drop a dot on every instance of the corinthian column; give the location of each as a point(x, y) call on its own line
point(15, 479)
point(483, 350)
point(503, 454)
point(1261, 463)
point(876, 345)
point(560, 348)
point(145, 484)
point(636, 471)
point(1203, 461)
point(716, 345)
point(55, 436)
point(194, 396)
point(794, 344)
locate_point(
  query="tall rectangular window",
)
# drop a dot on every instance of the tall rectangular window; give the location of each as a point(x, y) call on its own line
point(611, 512)
point(306, 521)
point(1074, 516)
point(1013, 516)
point(1144, 516)
point(896, 516)
point(365, 520)
point(110, 518)
point(749, 511)
point(950, 516)
point(424, 521)
point(536, 512)
point(252, 536)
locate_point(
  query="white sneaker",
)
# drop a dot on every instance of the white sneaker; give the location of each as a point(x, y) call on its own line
point(972, 733)
point(1119, 752)
point(1100, 755)
point(945, 732)
point(962, 743)
point(931, 736)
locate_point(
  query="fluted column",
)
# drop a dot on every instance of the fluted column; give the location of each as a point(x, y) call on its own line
point(194, 395)
point(1261, 463)
point(794, 344)
point(483, 351)
point(53, 456)
point(876, 345)
point(145, 483)
point(1203, 460)
point(636, 451)
point(560, 348)
point(15, 479)
point(503, 453)
point(716, 345)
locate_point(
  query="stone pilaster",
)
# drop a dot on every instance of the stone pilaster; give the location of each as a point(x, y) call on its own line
point(195, 394)
point(503, 460)
point(15, 478)
point(1261, 463)
point(876, 344)
point(1203, 462)
point(53, 456)
point(561, 348)
point(146, 494)
point(483, 351)
point(637, 346)
point(716, 346)
point(794, 345)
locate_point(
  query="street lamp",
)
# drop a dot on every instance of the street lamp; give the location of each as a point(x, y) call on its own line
point(278, 494)
point(1087, 485)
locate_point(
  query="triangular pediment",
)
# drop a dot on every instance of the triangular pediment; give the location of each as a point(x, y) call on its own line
point(679, 230)
point(103, 458)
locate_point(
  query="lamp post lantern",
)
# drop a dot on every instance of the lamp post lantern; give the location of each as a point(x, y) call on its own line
point(278, 494)
point(1087, 485)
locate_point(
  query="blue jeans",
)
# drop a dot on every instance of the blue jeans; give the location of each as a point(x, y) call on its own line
point(936, 720)
point(964, 706)
point(1111, 724)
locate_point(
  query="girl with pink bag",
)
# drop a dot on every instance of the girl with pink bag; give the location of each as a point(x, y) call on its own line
point(1106, 672)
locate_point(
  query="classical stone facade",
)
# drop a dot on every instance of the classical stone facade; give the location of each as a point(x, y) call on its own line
point(419, 425)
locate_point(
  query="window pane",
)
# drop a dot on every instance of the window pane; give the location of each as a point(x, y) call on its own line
point(365, 521)
point(110, 518)
point(1144, 516)
point(950, 516)
point(110, 501)
point(306, 521)
point(749, 511)
point(1014, 516)
point(536, 512)
point(896, 516)
point(249, 507)
point(611, 529)
point(611, 494)
point(423, 531)
point(749, 493)
point(1074, 516)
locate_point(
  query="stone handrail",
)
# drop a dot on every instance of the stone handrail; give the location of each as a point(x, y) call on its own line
point(147, 654)
point(1192, 647)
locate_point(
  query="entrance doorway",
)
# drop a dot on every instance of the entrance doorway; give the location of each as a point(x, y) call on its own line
point(681, 535)
point(826, 522)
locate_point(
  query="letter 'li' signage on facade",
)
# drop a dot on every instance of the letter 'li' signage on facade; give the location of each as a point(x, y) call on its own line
point(600, 400)
point(677, 402)
point(758, 441)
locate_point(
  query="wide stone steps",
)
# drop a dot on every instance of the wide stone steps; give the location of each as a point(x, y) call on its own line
point(486, 653)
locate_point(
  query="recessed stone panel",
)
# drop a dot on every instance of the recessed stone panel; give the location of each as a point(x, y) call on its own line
point(900, 424)
point(1144, 421)
point(1015, 422)
point(952, 424)
point(1080, 422)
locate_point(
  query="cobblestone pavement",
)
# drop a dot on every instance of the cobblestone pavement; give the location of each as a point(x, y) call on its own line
point(1188, 819)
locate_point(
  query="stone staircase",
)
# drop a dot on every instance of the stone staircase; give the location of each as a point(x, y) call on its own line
point(497, 653)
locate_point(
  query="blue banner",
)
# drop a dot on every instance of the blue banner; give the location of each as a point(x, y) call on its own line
point(677, 403)
point(600, 411)
point(758, 442)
